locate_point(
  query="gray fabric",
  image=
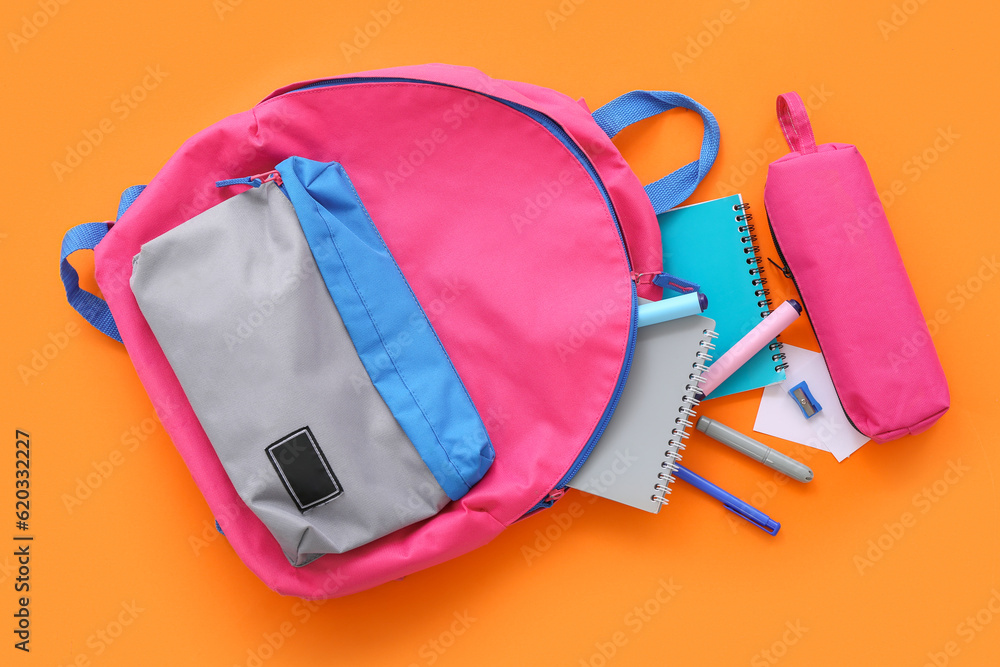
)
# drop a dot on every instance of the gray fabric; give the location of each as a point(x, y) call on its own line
point(238, 306)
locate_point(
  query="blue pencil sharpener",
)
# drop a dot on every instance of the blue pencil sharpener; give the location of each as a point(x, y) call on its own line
point(805, 400)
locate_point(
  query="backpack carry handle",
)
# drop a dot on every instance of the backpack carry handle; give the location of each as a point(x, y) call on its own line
point(637, 105)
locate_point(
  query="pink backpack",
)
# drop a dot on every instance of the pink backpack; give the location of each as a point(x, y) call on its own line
point(484, 244)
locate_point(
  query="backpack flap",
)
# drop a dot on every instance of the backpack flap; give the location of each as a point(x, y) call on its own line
point(323, 389)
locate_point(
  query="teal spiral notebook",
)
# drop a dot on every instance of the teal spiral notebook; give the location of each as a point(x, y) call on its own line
point(713, 244)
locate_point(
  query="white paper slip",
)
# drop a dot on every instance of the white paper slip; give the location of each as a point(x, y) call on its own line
point(798, 359)
point(780, 416)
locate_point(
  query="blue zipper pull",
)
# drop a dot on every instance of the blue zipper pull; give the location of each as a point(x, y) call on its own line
point(254, 181)
point(666, 281)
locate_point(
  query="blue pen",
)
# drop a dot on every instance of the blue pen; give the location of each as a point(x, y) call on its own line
point(731, 502)
point(692, 303)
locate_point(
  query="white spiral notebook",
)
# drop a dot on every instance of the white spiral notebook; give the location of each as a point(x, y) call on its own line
point(633, 461)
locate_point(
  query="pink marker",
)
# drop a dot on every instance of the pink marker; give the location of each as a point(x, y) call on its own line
point(749, 345)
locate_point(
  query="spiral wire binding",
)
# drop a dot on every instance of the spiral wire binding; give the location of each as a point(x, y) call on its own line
point(744, 220)
point(683, 420)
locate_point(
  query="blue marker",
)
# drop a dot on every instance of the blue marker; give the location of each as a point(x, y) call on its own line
point(729, 501)
point(692, 303)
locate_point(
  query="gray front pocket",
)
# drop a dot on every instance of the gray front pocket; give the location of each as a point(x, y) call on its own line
point(244, 316)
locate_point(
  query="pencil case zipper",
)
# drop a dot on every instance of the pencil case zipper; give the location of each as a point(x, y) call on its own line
point(786, 270)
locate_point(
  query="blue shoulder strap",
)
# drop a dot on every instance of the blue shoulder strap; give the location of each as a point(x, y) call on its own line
point(129, 196)
point(86, 237)
point(637, 105)
point(93, 308)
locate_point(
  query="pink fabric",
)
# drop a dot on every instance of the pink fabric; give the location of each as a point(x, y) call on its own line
point(834, 235)
point(506, 242)
point(795, 125)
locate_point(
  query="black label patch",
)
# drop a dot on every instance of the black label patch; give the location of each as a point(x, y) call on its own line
point(304, 470)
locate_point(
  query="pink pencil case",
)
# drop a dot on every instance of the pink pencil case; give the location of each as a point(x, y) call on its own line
point(832, 234)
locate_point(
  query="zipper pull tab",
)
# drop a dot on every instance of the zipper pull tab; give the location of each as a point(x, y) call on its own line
point(666, 281)
point(554, 495)
point(254, 181)
point(785, 271)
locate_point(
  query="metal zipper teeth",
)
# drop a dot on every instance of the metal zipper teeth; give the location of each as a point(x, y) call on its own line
point(788, 267)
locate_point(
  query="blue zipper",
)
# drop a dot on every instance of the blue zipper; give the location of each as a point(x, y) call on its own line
point(560, 487)
point(559, 133)
point(545, 121)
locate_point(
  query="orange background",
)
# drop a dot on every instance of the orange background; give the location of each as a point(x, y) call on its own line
point(887, 75)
